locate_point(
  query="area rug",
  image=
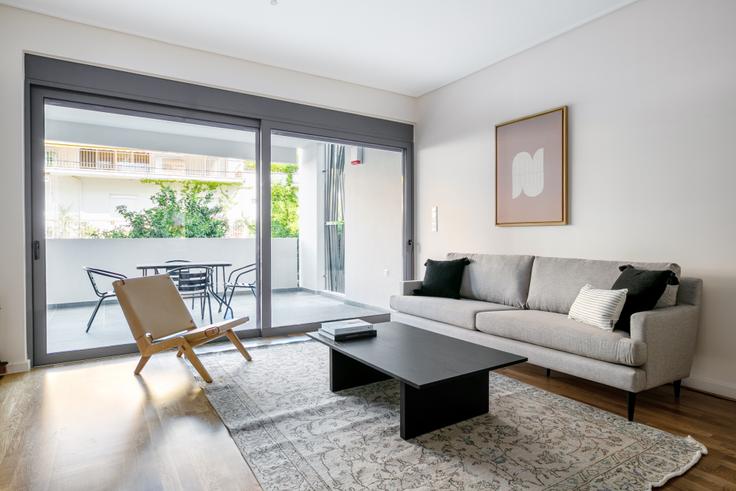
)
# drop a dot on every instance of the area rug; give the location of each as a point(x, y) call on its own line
point(295, 434)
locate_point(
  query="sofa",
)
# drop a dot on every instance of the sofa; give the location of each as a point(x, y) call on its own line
point(520, 304)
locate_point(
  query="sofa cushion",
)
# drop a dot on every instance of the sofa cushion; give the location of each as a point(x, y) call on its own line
point(556, 331)
point(442, 278)
point(644, 288)
point(459, 313)
point(555, 282)
point(496, 278)
point(599, 308)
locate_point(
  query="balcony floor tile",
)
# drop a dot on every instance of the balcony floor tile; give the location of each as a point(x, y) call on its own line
point(66, 325)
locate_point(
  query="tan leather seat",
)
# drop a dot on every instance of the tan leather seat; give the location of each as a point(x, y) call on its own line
point(160, 321)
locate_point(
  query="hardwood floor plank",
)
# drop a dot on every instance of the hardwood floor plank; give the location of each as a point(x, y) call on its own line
point(94, 425)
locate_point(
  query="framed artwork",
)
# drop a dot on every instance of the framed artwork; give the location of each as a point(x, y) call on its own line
point(531, 170)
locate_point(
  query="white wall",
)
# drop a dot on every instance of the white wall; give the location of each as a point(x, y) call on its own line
point(652, 96)
point(22, 32)
point(92, 201)
point(311, 156)
point(66, 282)
point(373, 223)
point(373, 227)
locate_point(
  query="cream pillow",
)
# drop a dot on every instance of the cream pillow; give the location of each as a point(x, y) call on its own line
point(599, 308)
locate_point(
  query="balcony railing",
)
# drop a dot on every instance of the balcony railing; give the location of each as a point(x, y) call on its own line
point(80, 160)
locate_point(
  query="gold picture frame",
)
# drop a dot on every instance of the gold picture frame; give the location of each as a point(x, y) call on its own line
point(507, 171)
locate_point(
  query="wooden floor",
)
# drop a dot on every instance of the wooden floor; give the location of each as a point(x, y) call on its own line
point(95, 426)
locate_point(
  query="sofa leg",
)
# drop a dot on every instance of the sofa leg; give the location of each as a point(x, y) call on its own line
point(549, 372)
point(631, 404)
point(677, 384)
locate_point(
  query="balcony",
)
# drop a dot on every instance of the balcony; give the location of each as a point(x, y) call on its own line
point(71, 299)
point(126, 163)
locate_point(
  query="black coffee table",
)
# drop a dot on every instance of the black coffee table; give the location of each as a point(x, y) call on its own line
point(443, 380)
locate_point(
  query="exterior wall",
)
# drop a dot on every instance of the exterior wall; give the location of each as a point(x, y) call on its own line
point(311, 215)
point(24, 32)
point(373, 223)
point(373, 227)
point(650, 89)
point(68, 283)
point(75, 203)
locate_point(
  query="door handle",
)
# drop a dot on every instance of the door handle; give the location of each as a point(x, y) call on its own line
point(36, 248)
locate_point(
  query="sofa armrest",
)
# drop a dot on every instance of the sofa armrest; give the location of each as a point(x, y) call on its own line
point(408, 287)
point(669, 334)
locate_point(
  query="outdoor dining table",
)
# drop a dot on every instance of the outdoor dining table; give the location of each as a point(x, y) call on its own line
point(217, 268)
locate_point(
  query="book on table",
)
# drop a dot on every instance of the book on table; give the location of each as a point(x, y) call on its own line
point(347, 337)
point(348, 329)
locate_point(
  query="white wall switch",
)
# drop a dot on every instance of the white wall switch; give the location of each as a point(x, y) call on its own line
point(435, 219)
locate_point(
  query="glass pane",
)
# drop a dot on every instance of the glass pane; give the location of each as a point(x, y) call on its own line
point(128, 195)
point(336, 230)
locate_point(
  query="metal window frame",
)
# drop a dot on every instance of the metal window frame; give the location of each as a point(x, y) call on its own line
point(341, 137)
point(130, 93)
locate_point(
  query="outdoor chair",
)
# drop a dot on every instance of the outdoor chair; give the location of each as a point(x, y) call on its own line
point(172, 261)
point(174, 277)
point(160, 320)
point(235, 281)
point(101, 294)
point(193, 282)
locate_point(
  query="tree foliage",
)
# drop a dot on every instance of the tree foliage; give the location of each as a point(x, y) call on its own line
point(193, 209)
point(189, 210)
point(284, 204)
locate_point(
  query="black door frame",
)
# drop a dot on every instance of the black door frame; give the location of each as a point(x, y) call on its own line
point(49, 78)
point(268, 129)
point(39, 98)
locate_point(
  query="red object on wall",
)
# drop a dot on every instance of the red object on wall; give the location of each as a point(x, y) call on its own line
point(355, 162)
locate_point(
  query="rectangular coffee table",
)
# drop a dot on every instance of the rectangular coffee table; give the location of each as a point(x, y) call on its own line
point(443, 380)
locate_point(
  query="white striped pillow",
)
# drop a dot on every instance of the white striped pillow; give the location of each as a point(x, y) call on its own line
point(599, 308)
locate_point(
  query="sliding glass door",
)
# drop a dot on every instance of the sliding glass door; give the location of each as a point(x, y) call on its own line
point(126, 193)
point(130, 175)
point(336, 230)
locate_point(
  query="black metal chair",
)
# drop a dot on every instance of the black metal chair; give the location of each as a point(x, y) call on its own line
point(168, 270)
point(193, 282)
point(172, 261)
point(101, 294)
point(235, 281)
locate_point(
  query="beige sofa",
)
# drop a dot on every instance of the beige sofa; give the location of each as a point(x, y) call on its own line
point(520, 304)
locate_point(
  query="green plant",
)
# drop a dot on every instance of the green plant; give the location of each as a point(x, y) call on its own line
point(284, 201)
point(285, 205)
point(187, 209)
point(202, 217)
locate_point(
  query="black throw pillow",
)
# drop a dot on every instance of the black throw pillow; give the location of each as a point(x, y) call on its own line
point(645, 287)
point(443, 278)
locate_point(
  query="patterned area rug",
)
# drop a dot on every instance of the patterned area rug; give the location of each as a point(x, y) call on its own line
point(296, 434)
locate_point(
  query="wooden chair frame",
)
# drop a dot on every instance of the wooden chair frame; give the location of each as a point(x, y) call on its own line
point(160, 321)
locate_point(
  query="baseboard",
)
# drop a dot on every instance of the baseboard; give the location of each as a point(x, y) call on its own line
point(18, 366)
point(711, 386)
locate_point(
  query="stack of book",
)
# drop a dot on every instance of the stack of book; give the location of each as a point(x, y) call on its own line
point(346, 330)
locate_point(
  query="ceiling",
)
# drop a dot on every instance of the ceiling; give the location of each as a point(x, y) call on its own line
point(148, 124)
point(409, 47)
